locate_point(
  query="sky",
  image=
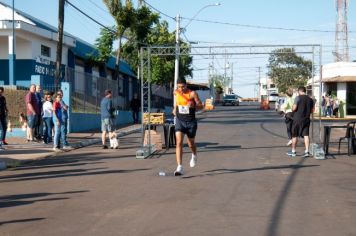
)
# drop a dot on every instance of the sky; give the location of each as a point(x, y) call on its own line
point(319, 15)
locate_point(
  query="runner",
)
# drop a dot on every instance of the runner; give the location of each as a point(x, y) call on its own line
point(187, 103)
point(303, 107)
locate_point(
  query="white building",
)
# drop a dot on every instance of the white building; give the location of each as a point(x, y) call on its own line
point(339, 80)
point(35, 50)
point(266, 87)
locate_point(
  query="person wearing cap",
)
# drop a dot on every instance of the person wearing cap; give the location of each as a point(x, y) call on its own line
point(187, 103)
point(107, 117)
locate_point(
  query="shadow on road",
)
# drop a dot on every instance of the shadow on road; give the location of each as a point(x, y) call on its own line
point(235, 171)
point(272, 229)
point(63, 174)
point(20, 221)
point(25, 199)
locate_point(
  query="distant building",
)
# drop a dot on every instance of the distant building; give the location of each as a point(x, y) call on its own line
point(339, 80)
point(266, 87)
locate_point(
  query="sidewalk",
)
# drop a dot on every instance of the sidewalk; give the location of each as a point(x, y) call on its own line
point(19, 152)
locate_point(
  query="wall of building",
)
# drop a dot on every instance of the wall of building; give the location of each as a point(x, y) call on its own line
point(84, 122)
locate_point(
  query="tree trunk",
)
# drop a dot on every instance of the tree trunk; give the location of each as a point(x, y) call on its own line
point(60, 41)
point(118, 57)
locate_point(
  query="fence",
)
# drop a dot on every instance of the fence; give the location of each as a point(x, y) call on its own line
point(87, 91)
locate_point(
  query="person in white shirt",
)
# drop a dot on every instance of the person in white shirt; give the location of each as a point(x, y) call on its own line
point(47, 111)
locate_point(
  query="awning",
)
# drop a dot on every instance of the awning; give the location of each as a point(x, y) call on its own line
point(340, 79)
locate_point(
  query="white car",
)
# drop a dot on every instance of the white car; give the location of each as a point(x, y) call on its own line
point(273, 97)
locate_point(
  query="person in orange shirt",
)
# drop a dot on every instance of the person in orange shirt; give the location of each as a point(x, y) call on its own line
point(187, 103)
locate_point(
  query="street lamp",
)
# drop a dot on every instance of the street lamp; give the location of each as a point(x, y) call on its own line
point(178, 30)
point(201, 9)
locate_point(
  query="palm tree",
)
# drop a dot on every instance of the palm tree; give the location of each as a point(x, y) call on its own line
point(124, 16)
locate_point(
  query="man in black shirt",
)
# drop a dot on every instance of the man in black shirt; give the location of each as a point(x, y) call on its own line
point(302, 109)
point(135, 105)
point(3, 116)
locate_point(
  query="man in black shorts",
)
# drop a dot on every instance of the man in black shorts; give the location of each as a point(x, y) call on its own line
point(302, 108)
point(187, 103)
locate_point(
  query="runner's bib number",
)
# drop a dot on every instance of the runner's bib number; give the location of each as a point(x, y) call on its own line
point(183, 109)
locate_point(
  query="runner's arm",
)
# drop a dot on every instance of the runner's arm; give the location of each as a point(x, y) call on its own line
point(174, 108)
point(198, 103)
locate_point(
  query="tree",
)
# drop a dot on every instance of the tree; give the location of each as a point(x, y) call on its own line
point(124, 16)
point(218, 83)
point(60, 41)
point(287, 69)
point(104, 44)
point(162, 67)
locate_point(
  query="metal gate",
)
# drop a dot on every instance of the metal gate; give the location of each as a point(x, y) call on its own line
point(313, 50)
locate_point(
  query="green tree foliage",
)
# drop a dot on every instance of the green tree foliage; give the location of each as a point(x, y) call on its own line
point(125, 17)
point(287, 69)
point(104, 44)
point(162, 67)
point(218, 83)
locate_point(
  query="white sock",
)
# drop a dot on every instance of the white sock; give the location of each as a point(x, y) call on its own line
point(306, 150)
point(193, 155)
point(293, 150)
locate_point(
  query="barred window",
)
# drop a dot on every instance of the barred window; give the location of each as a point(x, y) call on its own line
point(45, 51)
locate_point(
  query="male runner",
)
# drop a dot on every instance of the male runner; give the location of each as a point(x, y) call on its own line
point(187, 103)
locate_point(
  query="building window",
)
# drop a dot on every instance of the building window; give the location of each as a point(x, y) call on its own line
point(272, 85)
point(45, 51)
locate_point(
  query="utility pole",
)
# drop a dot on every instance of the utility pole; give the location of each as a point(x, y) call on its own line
point(260, 84)
point(12, 47)
point(176, 63)
point(60, 41)
point(232, 77)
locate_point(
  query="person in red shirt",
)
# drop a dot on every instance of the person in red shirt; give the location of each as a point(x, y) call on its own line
point(32, 110)
point(57, 120)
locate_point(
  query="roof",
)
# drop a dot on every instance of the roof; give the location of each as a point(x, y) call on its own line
point(340, 79)
point(84, 50)
point(198, 86)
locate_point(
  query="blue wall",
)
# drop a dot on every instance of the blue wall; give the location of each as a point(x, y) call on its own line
point(25, 69)
point(84, 122)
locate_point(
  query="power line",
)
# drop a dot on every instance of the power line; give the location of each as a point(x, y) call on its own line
point(260, 26)
point(173, 18)
point(104, 10)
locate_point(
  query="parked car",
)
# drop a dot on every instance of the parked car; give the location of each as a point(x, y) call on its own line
point(273, 97)
point(231, 99)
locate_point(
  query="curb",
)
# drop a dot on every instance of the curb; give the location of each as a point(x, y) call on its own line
point(12, 163)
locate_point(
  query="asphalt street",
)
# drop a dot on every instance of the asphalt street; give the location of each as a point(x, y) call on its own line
point(243, 184)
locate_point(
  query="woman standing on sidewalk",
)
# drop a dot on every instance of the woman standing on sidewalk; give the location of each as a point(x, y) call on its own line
point(47, 109)
point(57, 120)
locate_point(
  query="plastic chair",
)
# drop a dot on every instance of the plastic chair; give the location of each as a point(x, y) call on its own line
point(349, 136)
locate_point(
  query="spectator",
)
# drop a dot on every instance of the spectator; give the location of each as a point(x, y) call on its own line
point(302, 108)
point(47, 112)
point(32, 111)
point(135, 105)
point(38, 126)
point(336, 104)
point(107, 117)
point(64, 131)
point(289, 114)
point(323, 103)
point(3, 117)
point(24, 126)
point(58, 123)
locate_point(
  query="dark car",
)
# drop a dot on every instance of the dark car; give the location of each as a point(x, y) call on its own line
point(230, 99)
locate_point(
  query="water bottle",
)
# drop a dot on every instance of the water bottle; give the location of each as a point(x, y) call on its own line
point(162, 173)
